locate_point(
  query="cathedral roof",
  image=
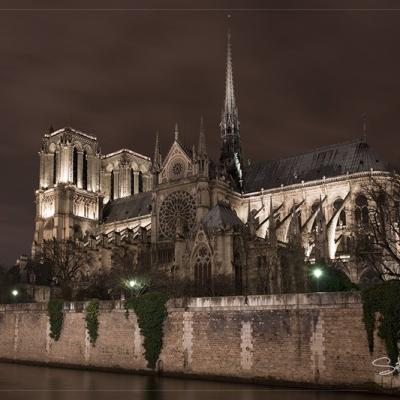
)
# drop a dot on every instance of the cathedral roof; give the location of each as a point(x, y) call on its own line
point(221, 217)
point(329, 161)
point(127, 207)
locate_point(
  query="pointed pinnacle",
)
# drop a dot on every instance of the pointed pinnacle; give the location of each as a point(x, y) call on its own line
point(157, 155)
point(176, 131)
point(202, 139)
point(156, 148)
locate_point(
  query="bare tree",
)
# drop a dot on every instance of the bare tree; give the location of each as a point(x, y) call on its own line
point(378, 242)
point(69, 262)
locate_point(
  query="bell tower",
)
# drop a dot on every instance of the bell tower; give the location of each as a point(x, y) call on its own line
point(68, 200)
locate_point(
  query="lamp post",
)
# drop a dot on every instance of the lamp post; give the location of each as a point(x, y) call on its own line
point(317, 272)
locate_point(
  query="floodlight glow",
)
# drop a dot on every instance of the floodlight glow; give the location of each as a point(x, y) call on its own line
point(132, 283)
point(317, 273)
point(14, 292)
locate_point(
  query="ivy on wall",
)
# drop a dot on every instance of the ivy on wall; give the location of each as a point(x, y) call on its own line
point(151, 312)
point(384, 299)
point(55, 310)
point(92, 320)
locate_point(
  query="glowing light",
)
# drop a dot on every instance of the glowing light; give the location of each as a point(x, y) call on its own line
point(14, 292)
point(132, 283)
point(317, 272)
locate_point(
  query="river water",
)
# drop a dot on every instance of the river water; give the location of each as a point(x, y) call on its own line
point(19, 382)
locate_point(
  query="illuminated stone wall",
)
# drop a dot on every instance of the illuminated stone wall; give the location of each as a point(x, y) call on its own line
point(313, 339)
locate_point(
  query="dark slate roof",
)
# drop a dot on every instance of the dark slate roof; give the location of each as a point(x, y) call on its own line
point(330, 161)
point(127, 207)
point(221, 216)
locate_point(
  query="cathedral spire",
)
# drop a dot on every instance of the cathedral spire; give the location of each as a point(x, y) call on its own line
point(231, 157)
point(230, 103)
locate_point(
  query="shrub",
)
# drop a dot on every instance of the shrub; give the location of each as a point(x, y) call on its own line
point(55, 309)
point(92, 320)
point(383, 299)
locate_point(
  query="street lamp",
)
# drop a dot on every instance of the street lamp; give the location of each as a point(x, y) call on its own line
point(14, 293)
point(317, 272)
point(132, 283)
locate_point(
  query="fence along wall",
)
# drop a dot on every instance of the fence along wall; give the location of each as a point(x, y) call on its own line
point(308, 339)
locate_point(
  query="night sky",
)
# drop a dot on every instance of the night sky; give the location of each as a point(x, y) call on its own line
point(303, 79)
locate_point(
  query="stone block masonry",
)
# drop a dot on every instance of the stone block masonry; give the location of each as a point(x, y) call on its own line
point(300, 340)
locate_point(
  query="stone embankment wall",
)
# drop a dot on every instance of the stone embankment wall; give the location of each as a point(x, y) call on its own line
point(303, 340)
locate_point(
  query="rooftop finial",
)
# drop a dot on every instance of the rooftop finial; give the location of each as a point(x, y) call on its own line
point(176, 131)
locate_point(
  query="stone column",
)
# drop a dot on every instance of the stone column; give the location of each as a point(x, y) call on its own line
point(80, 170)
point(48, 169)
point(58, 165)
point(116, 184)
point(92, 173)
point(135, 182)
point(70, 163)
point(96, 172)
point(125, 181)
point(42, 177)
point(63, 161)
point(106, 185)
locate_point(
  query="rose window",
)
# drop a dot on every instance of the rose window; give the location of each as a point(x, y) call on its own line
point(177, 168)
point(178, 206)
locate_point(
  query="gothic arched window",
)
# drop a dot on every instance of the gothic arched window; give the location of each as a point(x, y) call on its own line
point(85, 171)
point(361, 210)
point(55, 168)
point(342, 217)
point(202, 268)
point(132, 182)
point(112, 185)
point(75, 166)
point(140, 182)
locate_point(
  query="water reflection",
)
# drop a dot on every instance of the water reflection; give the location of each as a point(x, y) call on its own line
point(19, 382)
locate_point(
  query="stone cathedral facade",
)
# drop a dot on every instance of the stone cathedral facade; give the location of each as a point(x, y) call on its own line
point(198, 218)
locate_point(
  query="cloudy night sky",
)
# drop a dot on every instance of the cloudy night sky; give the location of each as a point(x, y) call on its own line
point(303, 79)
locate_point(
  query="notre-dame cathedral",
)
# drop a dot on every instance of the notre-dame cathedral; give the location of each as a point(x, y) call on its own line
point(199, 218)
